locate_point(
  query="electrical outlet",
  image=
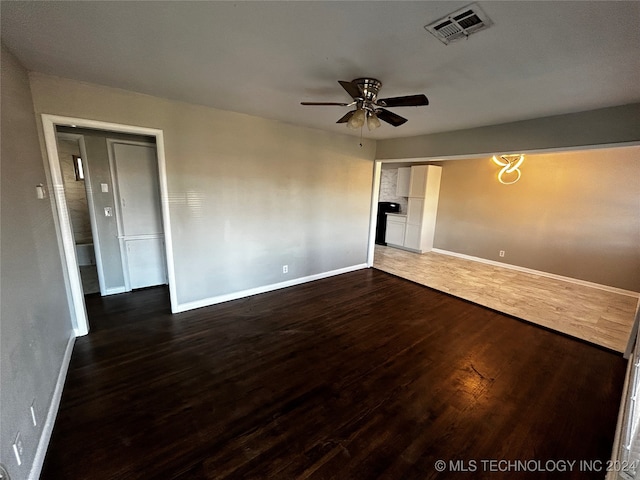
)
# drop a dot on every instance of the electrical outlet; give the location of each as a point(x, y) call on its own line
point(502, 253)
point(18, 448)
point(32, 409)
point(108, 212)
point(285, 269)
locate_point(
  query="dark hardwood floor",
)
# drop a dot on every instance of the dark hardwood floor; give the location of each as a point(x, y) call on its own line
point(359, 376)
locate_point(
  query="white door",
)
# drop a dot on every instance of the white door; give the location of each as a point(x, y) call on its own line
point(135, 170)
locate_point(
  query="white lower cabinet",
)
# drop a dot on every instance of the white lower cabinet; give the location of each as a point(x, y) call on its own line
point(395, 230)
point(412, 236)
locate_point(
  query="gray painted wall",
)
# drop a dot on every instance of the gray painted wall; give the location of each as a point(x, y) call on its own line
point(575, 214)
point(477, 215)
point(35, 321)
point(595, 127)
point(98, 166)
point(247, 195)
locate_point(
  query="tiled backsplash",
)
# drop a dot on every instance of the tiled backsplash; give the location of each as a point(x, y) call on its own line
point(388, 182)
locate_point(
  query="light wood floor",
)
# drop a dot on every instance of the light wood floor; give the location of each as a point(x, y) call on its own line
point(591, 314)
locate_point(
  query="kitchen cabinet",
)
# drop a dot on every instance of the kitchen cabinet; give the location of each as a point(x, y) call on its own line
point(404, 182)
point(415, 230)
point(418, 181)
point(422, 207)
point(395, 232)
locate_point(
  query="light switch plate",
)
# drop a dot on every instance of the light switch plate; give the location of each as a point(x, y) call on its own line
point(104, 187)
point(108, 212)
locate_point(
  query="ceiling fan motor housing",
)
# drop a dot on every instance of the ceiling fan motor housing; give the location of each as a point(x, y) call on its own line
point(369, 88)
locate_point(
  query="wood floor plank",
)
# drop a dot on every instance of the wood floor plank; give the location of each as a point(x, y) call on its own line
point(592, 314)
point(363, 375)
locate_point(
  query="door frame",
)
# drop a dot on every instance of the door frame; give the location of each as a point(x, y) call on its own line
point(90, 203)
point(69, 259)
point(377, 175)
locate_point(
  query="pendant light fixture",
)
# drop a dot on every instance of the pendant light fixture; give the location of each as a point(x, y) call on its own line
point(510, 165)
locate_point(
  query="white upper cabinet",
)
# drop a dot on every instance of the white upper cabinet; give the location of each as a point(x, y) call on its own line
point(404, 181)
point(418, 183)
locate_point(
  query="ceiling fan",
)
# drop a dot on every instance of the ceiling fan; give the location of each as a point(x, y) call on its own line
point(369, 108)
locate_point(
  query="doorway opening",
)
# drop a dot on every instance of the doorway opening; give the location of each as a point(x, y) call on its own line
point(157, 240)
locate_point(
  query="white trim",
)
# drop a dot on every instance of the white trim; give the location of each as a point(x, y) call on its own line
point(622, 418)
point(373, 218)
point(183, 307)
point(115, 290)
point(575, 281)
point(166, 220)
point(142, 236)
point(47, 429)
point(49, 123)
point(69, 260)
point(97, 249)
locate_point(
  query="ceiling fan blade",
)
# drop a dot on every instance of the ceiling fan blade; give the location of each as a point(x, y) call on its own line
point(351, 88)
point(408, 101)
point(335, 104)
point(346, 117)
point(390, 117)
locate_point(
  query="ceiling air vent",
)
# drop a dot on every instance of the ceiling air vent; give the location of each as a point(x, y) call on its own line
point(459, 24)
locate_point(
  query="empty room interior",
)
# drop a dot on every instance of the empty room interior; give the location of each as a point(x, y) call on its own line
point(320, 240)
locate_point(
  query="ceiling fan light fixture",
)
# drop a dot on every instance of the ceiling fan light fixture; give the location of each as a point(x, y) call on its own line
point(372, 121)
point(357, 119)
point(369, 108)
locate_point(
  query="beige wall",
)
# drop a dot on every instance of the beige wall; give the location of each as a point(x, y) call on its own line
point(575, 214)
point(247, 195)
point(35, 320)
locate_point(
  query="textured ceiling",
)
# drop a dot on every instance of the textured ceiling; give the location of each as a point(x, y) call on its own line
point(262, 58)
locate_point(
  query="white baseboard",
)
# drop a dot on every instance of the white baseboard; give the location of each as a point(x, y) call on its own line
point(114, 291)
point(183, 307)
point(621, 424)
point(575, 281)
point(47, 429)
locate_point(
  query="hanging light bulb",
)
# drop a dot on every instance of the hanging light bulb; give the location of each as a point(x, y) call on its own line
point(372, 121)
point(357, 119)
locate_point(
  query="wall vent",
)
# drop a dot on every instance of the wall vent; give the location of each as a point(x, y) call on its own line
point(459, 24)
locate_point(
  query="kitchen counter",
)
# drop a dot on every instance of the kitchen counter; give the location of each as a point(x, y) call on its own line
point(403, 215)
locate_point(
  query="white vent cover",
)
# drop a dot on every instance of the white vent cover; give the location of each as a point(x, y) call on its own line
point(459, 24)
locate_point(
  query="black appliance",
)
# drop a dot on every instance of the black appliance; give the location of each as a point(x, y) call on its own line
point(381, 224)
